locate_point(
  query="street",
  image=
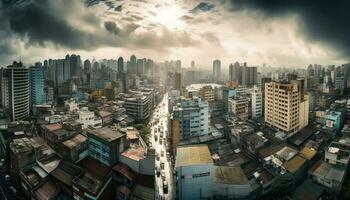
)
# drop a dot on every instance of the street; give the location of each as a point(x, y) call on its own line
point(159, 135)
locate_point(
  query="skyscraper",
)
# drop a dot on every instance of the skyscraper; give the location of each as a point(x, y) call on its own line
point(122, 75)
point(37, 84)
point(18, 82)
point(216, 70)
point(193, 65)
point(132, 68)
point(286, 106)
point(243, 75)
point(74, 64)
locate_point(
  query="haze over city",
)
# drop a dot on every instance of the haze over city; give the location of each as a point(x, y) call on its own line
point(277, 33)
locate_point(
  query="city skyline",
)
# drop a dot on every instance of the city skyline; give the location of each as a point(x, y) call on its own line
point(248, 31)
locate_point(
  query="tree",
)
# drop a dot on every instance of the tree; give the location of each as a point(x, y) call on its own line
point(282, 186)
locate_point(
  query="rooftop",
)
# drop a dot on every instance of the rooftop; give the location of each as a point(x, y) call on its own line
point(294, 164)
point(134, 153)
point(308, 153)
point(307, 190)
point(75, 141)
point(106, 134)
point(103, 113)
point(193, 155)
point(286, 153)
point(48, 190)
point(229, 175)
point(52, 127)
point(330, 172)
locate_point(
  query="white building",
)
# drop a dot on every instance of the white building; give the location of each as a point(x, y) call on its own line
point(194, 166)
point(239, 106)
point(190, 118)
point(88, 119)
point(71, 105)
point(256, 102)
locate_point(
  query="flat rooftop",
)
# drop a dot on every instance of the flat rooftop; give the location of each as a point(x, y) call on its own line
point(193, 155)
point(106, 134)
point(134, 153)
point(75, 141)
point(229, 175)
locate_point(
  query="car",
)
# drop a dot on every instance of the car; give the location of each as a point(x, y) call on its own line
point(162, 174)
point(165, 187)
point(158, 171)
point(162, 153)
point(160, 140)
point(162, 165)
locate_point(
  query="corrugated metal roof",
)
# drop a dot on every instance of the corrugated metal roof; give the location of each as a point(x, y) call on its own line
point(193, 155)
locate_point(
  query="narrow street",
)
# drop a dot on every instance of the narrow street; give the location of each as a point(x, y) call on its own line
point(160, 134)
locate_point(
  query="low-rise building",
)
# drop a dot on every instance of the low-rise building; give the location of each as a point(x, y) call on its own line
point(194, 170)
point(88, 119)
point(105, 145)
point(75, 148)
point(338, 154)
point(239, 106)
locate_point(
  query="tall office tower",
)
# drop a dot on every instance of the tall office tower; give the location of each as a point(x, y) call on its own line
point(132, 65)
point(178, 66)
point(120, 65)
point(310, 71)
point(178, 82)
point(190, 118)
point(216, 70)
point(4, 88)
point(249, 75)
point(75, 63)
point(256, 103)
point(37, 84)
point(140, 66)
point(286, 106)
point(87, 65)
point(18, 82)
point(122, 75)
point(59, 68)
point(234, 72)
point(193, 64)
point(66, 68)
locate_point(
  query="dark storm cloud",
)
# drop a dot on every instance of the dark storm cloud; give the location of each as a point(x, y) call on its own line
point(42, 21)
point(112, 27)
point(320, 21)
point(203, 6)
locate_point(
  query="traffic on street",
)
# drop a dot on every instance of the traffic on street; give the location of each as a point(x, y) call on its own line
point(165, 188)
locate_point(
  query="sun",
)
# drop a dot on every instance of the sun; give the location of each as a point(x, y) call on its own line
point(169, 16)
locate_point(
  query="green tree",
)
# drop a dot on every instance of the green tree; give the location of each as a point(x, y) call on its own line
point(282, 186)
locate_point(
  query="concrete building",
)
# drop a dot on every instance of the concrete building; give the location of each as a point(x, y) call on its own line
point(75, 148)
point(338, 154)
point(256, 103)
point(88, 119)
point(194, 167)
point(230, 183)
point(216, 70)
point(19, 92)
point(207, 93)
point(37, 85)
point(239, 106)
point(105, 145)
point(190, 118)
point(243, 75)
point(286, 106)
point(139, 106)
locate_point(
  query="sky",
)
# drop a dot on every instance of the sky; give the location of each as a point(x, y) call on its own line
point(281, 33)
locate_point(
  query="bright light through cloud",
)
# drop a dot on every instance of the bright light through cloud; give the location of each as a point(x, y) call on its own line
point(169, 15)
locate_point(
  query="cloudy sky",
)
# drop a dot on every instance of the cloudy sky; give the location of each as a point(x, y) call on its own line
point(289, 33)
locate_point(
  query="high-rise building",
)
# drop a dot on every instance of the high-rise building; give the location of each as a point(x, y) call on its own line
point(37, 84)
point(74, 65)
point(178, 82)
point(122, 75)
point(256, 102)
point(216, 70)
point(190, 118)
point(286, 106)
point(193, 64)
point(19, 97)
point(140, 66)
point(132, 67)
point(4, 88)
point(243, 75)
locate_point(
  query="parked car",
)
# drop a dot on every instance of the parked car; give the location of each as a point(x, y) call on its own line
point(162, 165)
point(165, 187)
point(158, 171)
